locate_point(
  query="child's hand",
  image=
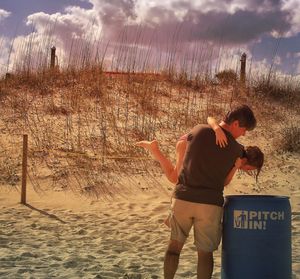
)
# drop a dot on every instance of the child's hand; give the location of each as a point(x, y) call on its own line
point(221, 138)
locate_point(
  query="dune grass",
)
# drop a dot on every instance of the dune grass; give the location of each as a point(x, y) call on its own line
point(83, 117)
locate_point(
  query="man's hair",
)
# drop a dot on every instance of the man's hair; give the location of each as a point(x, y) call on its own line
point(255, 158)
point(244, 115)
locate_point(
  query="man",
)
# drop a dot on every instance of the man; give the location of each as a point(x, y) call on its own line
point(198, 196)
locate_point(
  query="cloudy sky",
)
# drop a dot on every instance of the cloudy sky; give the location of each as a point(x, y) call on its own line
point(267, 30)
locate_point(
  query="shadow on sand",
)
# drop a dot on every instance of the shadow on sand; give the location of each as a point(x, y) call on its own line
point(45, 213)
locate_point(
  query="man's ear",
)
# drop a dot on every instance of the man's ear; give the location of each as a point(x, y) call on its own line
point(236, 124)
point(244, 161)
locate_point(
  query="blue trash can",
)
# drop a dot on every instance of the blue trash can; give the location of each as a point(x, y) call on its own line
point(256, 240)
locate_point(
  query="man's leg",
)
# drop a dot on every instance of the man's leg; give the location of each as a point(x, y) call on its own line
point(172, 258)
point(207, 233)
point(205, 265)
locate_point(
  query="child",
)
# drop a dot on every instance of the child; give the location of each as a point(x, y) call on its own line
point(251, 162)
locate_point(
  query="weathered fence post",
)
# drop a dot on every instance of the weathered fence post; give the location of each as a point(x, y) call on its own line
point(243, 68)
point(24, 169)
point(8, 76)
point(52, 62)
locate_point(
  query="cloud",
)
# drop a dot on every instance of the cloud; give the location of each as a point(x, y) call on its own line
point(293, 7)
point(74, 29)
point(115, 12)
point(162, 26)
point(75, 23)
point(113, 15)
point(227, 21)
point(240, 27)
point(189, 24)
point(4, 14)
point(69, 31)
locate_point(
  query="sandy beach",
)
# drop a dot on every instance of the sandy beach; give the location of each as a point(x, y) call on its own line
point(62, 235)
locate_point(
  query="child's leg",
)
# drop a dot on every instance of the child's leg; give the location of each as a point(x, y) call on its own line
point(164, 162)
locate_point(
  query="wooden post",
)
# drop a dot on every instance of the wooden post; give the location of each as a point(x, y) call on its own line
point(24, 169)
point(52, 63)
point(8, 76)
point(243, 68)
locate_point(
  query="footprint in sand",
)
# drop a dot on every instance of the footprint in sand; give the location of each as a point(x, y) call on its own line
point(24, 270)
point(81, 232)
point(134, 239)
point(4, 242)
point(28, 255)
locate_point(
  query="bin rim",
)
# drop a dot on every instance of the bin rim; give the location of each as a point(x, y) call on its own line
point(246, 196)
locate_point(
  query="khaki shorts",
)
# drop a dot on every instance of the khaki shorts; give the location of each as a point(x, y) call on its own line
point(205, 218)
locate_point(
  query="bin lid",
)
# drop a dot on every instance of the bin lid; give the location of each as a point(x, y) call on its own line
point(238, 197)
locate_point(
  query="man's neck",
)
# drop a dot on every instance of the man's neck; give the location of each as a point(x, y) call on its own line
point(225, 126)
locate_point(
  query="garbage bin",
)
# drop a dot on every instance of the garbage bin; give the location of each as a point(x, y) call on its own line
point(256, 241)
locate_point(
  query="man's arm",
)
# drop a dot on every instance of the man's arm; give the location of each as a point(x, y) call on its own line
point(237, 165)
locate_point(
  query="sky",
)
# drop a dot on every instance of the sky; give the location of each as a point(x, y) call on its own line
point(268, 31)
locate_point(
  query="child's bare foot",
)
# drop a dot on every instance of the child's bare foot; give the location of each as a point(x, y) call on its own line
point(149, 145)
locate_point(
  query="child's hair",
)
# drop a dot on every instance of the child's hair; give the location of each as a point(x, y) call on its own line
point(255, 158)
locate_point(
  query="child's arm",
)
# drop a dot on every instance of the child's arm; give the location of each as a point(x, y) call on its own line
point(221, 138)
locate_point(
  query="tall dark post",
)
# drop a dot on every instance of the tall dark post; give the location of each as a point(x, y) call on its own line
point(24, 169)
point(52, 63)
point(243, 68)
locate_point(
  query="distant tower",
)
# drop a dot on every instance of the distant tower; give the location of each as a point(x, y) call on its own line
point(52, 62)
point(243, 68)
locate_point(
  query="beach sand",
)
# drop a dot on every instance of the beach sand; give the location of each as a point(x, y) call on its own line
point(62, 235)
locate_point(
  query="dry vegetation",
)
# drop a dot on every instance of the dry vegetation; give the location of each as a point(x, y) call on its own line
point(82, 124)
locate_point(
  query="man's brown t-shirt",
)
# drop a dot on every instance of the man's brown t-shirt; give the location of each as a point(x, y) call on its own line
point(206, 166)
